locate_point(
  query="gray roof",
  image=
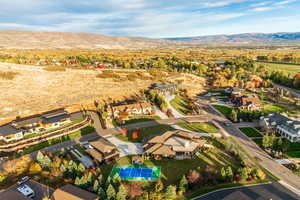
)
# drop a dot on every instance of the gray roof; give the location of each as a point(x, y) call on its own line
point(20, 122)
point(291, 125)
point(8, 129)
point(53, 113)
point(55, 119)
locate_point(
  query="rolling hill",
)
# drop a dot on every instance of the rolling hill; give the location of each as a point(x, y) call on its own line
point(52, 40)
point(244, 39)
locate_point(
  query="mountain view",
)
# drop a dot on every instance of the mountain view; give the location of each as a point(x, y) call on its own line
point(149, 100)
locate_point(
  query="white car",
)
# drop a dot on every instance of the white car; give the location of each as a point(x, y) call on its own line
point(26, 191)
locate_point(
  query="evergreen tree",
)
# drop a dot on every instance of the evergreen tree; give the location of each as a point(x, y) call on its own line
point(46, 162)
point(170, 192)
point(40, 157)
point(96, 186)
point(234, 115)
point(77, 181)
point(223, 174)
point(100, 179)
point(108, 182)
point(183, 184)
point(90, 178)
point(159, 186)
point(229, 174)
point(122, 193)
point(80, 169)
point(116, 180)
point(62, 168)
point(101, 193)
point(110, 192)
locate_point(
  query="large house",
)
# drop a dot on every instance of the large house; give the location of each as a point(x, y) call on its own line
point(70, 192)
point(285, 126)
point(174, 144)
point(103, 151)
point(164, 89)
point(9, 133)
point(250, 102)
point(36, 123)
point(128, 111)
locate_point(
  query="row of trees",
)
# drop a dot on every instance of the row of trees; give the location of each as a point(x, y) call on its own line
point(274, 144)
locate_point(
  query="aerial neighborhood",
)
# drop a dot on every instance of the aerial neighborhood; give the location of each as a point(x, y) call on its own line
point(149, 100)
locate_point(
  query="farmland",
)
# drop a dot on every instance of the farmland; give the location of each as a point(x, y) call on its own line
point(292, 69)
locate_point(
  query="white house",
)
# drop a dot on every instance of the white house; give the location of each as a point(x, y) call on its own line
point(285, 126)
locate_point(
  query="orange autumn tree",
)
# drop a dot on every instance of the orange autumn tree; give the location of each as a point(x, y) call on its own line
point(135, 134)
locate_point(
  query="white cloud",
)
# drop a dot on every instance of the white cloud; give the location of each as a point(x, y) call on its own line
point(285, 2)
point(265, 8)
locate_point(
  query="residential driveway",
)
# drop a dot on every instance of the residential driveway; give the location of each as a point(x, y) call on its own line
point(174, 111)
point(126, 148)
point(272, 191)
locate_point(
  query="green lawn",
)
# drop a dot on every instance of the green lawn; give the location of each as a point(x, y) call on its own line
point(84, 131)
point(251, 132)
point(273, 108)
point(225, 110)
point(145, 132)
point(181, 105)
point(293, 69)
point(293, 154)
point(145, 119)
point(292, 146)
point(258, 141)
point(200, 127)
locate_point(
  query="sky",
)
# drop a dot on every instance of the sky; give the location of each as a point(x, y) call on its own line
point(152, 18)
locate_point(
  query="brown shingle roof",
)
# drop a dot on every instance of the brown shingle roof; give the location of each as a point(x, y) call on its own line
point(103, 145)
point(70, 192)
point(95, 154)
point(164, 150)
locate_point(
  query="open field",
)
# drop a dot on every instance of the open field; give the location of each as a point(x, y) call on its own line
point(34, 90)
point(293, 69)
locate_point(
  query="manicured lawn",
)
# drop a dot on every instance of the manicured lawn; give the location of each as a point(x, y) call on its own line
point(258, 141)
point(251, 132)
point(225, 110)
point(200, 127)
point(273, 108)
point(84, 131)
point(145, 132)
point(181, 105)
point(293, 154)
point(145, 119)
point(292, 146)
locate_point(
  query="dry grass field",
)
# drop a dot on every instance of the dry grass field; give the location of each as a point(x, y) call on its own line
point(34, 89)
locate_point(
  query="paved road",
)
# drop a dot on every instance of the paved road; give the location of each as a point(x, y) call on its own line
point(274, 191)
point(263, 158)
point(294, 92)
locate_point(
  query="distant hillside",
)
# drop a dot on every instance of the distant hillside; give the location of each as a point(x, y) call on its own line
point(244, 39)
point(50, 40)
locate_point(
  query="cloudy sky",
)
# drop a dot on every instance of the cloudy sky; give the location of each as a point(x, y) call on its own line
point(151, 18)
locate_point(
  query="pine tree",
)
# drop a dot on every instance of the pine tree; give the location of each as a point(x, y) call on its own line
point(80, 169)
point(77, 181)
point(40, 157)
point(223, 174)
point(90, 178)
point(183, 184)
point(101, 193)
point(122, 193)
point(100, 179)
point(229, 174)
point(117, 180)
point(108, 182)
point(46, 162)
point(170, 192)
point(96, 186)
point(159, 186)
point(110, 192)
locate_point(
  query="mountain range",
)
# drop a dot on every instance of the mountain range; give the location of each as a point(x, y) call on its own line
point(51, 40)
